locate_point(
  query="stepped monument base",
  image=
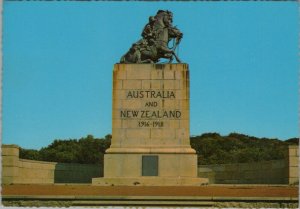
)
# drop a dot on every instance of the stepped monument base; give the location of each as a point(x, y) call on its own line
point(150, 135)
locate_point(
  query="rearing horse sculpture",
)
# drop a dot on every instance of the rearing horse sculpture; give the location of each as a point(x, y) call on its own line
point(154, 45)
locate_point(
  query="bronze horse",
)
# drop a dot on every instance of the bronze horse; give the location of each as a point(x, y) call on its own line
point(154, 45)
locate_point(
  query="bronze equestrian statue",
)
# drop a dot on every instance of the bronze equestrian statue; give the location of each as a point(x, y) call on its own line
point(157, 34)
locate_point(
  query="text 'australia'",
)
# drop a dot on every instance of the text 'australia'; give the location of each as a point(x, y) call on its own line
point(150, 114)
point(151, 94)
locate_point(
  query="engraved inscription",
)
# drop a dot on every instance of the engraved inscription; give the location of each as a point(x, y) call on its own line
point(153, 113)
point(150, 94)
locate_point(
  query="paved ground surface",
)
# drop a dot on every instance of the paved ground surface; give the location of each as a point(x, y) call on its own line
point(218, 191)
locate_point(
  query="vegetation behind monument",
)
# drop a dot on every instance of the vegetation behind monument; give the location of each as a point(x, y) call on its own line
point(211, 148)
point(87, 150)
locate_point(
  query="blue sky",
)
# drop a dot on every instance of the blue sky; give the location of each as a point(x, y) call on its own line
point(58, 59)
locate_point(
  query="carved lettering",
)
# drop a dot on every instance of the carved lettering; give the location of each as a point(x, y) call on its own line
point(129, 113)
point(135, 94)
point(175, 114)
point(151, 94)
point(151, 104)
point(152, 116)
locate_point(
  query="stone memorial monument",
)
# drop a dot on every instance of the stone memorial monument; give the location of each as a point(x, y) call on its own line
point(150, 125)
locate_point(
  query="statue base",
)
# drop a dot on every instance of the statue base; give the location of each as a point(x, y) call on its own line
point(150, 135)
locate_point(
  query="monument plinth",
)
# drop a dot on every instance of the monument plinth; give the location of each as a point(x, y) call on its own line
point(150, 131)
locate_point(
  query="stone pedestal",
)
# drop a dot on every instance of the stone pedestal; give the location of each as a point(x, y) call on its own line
point(150, 134)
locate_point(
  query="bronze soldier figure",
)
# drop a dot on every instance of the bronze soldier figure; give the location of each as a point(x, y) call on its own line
point(156, 35)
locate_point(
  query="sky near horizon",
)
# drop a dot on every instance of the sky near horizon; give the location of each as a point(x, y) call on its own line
point(58, 59)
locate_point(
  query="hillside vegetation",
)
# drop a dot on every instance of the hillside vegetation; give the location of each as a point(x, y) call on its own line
point(211, 148)
point(88, 150)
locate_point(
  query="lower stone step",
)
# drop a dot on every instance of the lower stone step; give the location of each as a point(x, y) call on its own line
point(150, 181)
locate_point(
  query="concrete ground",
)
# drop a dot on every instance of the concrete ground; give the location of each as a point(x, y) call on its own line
point(210, 195)
point(215, 190)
